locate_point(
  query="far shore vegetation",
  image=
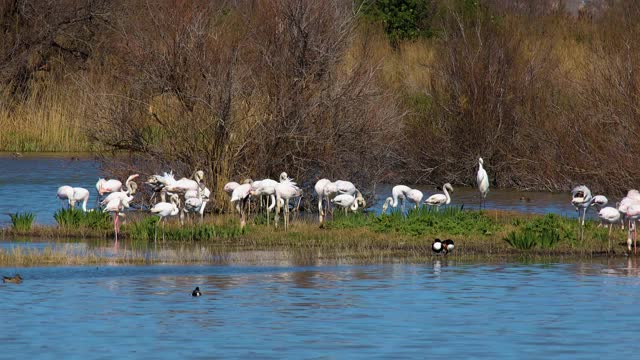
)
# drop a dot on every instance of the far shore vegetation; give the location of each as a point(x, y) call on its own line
point(370, 90)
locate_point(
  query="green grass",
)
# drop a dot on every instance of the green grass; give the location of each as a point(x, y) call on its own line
point(544, 232)
point(22, 221)
point(452, 221)
point(145, 230)
point(95, 220)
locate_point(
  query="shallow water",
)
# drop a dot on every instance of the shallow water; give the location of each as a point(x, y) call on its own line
point(30, 183)
point(437, 310)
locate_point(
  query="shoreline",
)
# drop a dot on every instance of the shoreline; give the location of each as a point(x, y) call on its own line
point(479, 236)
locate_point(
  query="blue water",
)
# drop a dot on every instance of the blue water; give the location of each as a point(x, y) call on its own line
point(439, 310)
point(30, 183)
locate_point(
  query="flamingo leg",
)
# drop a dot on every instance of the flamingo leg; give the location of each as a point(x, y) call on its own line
point(115, 225)
point(610, 227)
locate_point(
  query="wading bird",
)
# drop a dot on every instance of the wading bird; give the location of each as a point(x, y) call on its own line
point(632, 214)
point(164, 210)
point(105, 186)
point(415, 196)
point(240, 197)
point(285, 191)
point(599, 201)
point(438, 200)
point(265, 188)
point(581, 198)
point(115, 207)
point(196, 204)
point(483, 182)
point(80, 194)
point(320, 193)
point(346, 202)
point(65, 192)
point(609, 216)
point(130, 189)
point(398, 195)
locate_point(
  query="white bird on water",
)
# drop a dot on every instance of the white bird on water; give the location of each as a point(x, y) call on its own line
point(131, 188)
point(65, 192)
point(438, 200)
point(346, 202)
point(285, 191)
point(320, 193)
point(239, 197)
point(73, 195)
point(483, 182)
point(581, 198)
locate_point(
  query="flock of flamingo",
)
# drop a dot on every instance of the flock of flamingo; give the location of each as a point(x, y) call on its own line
point(114, 197)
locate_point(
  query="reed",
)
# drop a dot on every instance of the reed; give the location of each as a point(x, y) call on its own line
point(22, 221)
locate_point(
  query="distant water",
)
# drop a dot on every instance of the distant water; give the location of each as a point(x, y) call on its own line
point(29, 183)
point(440, 310)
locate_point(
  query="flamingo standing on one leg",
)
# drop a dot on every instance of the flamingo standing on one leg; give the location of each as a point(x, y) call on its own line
point(239, 198)
point(438, 200)
point(164, 210)
point(483, 182)
point(115, 207)
point(319, 188)
point(196, 204)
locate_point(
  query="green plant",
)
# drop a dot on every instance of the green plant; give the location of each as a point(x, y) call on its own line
point(544, 233)
point(22, 221)
point(96, 220)
point(521, 240)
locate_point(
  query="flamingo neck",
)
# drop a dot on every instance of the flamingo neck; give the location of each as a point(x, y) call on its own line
point(446, 193)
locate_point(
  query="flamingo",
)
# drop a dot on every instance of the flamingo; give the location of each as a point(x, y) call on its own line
point(240, 196)
point(483, 181)
point(346, 202)
point(632, 214)
point(581, 198)
point(196, 204)
point(438, 200)
point(228, 187)
point(415, 196)
point(115, 207)
point(398, 194)
point(600, 201)
point(285, 191)
point(183, 185)
point(65, 192)
point(265, 187)
point(80, 194)
point(105, 186)
point(320, 192)
point(164, 210)
point(610, 215)
point(131, 188)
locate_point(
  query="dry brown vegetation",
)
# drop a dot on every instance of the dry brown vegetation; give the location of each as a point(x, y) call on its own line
point(547, 96)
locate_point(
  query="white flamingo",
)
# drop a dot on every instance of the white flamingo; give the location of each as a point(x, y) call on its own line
point(581, 198)
point(105, 186)
point(600, 201)
point(265, 188)
point(632, 214)
point(438, 200)
point(346, 201)
point(169, 184)
point(65, 192)
point(196, 204)
point(415, 196)
point(240, 197)
point(131, 188)
point(116, 206)
point(398, 195)
point(164, 210)
point(483, 181)
point(285, 191)
point(230, 186)
point(610, 215)
point(80, 194)
point(320, 193)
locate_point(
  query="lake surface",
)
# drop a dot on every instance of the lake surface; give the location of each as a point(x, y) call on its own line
point(30, 183)
point(439, 310)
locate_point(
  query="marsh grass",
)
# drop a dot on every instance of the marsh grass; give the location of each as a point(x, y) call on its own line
point(22, 221)
point(145, 229)
point(94, 220)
